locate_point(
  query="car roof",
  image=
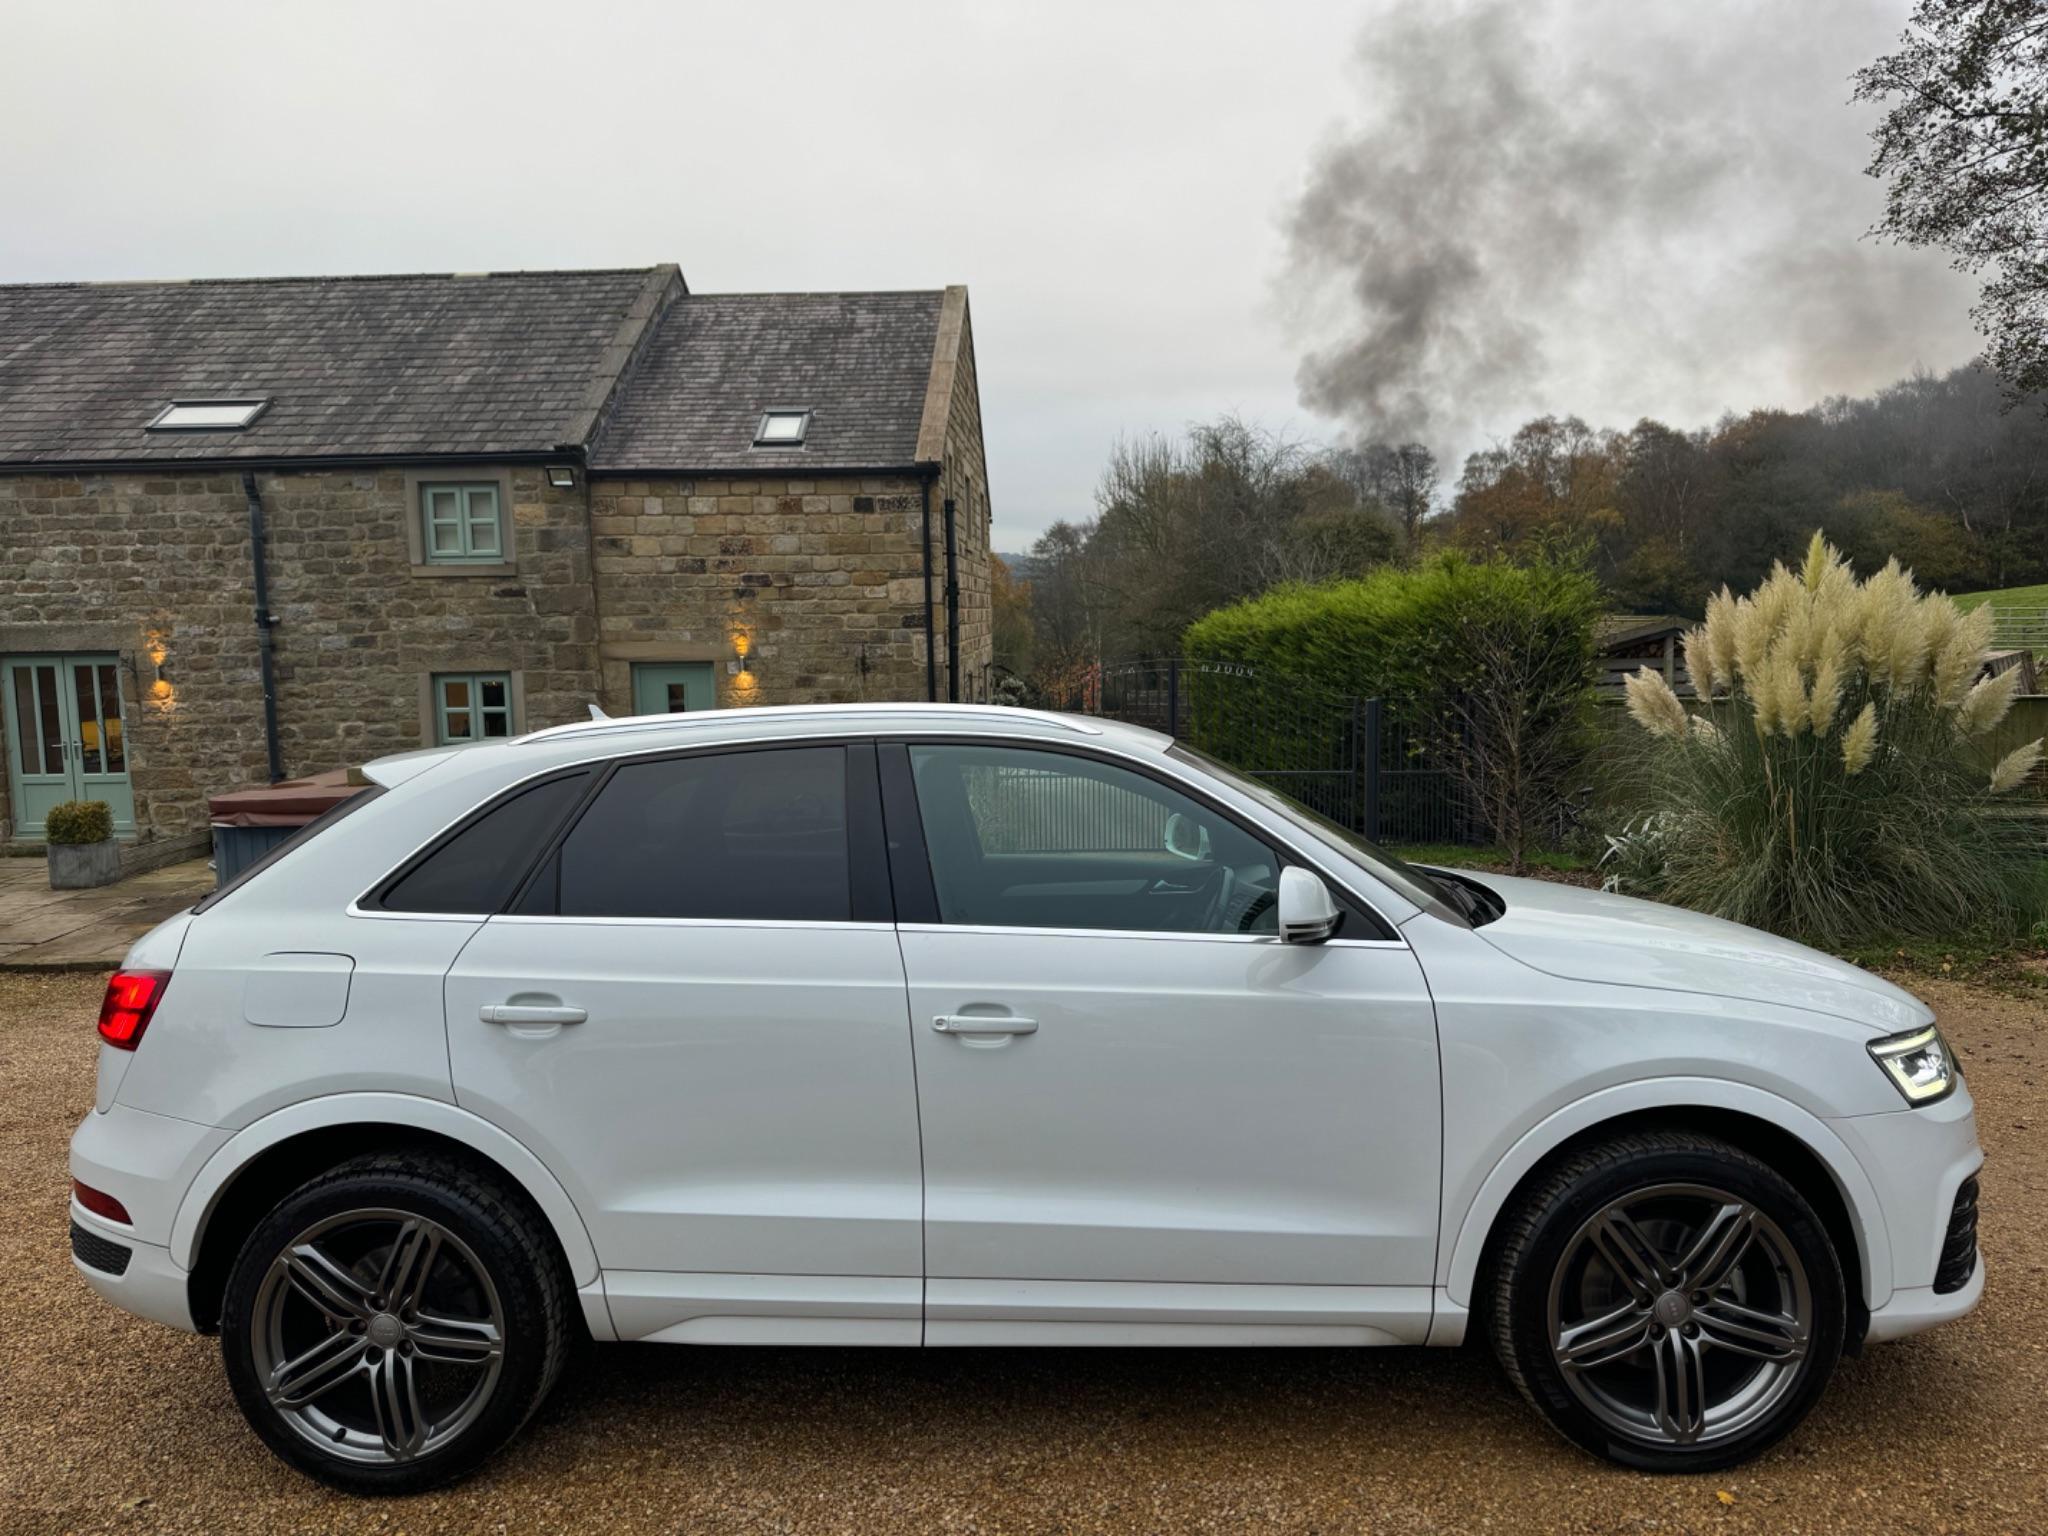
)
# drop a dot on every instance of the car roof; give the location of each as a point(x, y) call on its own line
point(651, 733)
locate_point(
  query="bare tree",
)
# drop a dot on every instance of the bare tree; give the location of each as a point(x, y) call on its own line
point(1963, 150)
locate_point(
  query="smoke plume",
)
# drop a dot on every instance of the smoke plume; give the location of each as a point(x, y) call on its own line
point(1608, 207)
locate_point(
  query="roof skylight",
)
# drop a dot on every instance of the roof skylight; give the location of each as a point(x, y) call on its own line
point(207, 415)
point(782, 429)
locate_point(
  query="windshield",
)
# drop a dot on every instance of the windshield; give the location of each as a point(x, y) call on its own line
point(1405, 878)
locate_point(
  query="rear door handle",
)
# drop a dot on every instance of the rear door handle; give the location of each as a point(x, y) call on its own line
point(530, 1013)
point(984, 1024)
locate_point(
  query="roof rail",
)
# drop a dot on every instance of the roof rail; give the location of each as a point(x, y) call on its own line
point(1078, 724)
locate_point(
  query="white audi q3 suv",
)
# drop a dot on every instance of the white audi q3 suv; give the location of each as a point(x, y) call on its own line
point(940, 1025)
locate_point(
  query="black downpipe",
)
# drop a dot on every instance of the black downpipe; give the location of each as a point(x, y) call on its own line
point(931, 653)
point(952, 611)
point(266, 624)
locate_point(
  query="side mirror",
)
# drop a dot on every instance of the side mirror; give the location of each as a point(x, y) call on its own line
point(1186, 838)
point(1307, 914)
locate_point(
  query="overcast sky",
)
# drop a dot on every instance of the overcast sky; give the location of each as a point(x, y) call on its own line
point(1383, 215)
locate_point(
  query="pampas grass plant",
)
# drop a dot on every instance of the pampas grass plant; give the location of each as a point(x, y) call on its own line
point(1834, 787)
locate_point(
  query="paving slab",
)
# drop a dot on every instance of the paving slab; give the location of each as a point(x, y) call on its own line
point(46, 930)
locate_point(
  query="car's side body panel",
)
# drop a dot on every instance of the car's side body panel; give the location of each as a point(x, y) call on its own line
point(1532, 1060)
point(740, 1099)
point(1201, 1109)
point(434, 1116)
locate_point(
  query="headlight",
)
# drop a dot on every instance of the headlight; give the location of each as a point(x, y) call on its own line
point(1918, 1063)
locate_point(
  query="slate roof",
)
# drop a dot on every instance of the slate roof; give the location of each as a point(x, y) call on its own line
point(372, 366)
point(859, 361)
point(431, 365)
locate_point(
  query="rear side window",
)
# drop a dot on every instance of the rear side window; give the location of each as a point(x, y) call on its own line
point(477, 869)
point(741, 835)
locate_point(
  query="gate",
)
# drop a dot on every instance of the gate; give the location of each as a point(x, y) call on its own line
point(1334, 753)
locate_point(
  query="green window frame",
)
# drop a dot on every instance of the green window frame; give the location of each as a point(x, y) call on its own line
point(472, 706)
point(462, 524)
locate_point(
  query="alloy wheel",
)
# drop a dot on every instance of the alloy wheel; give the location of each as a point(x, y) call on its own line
point(1680, 1315)
point(378, 1336)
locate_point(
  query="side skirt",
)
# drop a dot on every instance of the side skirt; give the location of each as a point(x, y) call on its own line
point(1125, 1312)
point(670, 1308)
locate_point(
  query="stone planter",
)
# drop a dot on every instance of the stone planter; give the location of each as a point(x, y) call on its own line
point(80, 866)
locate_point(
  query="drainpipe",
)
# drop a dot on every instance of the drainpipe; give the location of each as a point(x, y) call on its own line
point(952, 611)
point(266, 624)
point(931, 653)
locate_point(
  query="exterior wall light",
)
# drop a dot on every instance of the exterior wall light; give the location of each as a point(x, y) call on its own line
point(160, 686)
point(562, 476)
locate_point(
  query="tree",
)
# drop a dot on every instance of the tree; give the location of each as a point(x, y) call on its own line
point(1400, 477)
point(1011, 632)
point(1963, 149)
point(1184, 525)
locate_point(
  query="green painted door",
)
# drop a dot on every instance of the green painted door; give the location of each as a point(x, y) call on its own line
point(65, 738)
point(671, 687)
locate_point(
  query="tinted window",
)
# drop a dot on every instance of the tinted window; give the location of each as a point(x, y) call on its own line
point(478, 868)
point(737, 835)
point(1027, 839)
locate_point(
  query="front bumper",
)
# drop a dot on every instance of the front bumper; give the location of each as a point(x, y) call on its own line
point(1923, 1307)
point(1919, 1161)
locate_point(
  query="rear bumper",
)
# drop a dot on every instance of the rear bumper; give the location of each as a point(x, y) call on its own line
point(147, 1162)
point(149, 1284)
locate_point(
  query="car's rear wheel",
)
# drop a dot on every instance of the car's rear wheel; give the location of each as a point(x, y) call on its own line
point(392, 1323)
point(1668, 1301)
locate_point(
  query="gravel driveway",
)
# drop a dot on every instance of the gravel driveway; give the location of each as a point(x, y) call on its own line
point(111, 1424)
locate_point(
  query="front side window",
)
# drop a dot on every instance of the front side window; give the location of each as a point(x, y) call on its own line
point(740, 836)
point(472, 706)
point(1020, 838)
point(462, 525)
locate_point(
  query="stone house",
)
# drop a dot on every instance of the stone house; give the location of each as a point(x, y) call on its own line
point(255, 529)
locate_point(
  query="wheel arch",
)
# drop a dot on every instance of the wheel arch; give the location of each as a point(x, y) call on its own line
point(1796, 1143)
point(264, 1161)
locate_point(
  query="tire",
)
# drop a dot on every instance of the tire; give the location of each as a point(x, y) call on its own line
point(411, 1315)
point(1604, 1264)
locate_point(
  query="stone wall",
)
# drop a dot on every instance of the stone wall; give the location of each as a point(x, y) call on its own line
point(819, 580)
point(134, 564)
point(964, 479)
point(816, 581)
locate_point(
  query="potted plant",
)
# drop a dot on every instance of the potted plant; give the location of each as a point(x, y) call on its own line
point(83, 852)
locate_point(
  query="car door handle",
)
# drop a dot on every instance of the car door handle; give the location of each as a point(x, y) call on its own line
point(984, 1024)
point(530, 1013)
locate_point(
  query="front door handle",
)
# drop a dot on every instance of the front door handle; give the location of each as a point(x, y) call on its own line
point(530, 1013)
point(984, 1024)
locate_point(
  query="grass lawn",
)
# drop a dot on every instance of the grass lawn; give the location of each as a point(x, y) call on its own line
point(2005, 597)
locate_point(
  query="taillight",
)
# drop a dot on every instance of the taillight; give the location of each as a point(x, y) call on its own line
point(131, 998)
point(100, 1203)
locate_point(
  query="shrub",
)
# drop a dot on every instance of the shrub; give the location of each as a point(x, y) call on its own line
point(1834, 786)
point(1488, 665)
point(79, 821)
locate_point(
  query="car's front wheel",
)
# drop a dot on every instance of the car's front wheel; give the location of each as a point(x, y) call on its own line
point(1667, 1301)
point(392, 1323)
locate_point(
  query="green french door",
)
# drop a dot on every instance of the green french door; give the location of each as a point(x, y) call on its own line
point(672, 687)
point(66, 738)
